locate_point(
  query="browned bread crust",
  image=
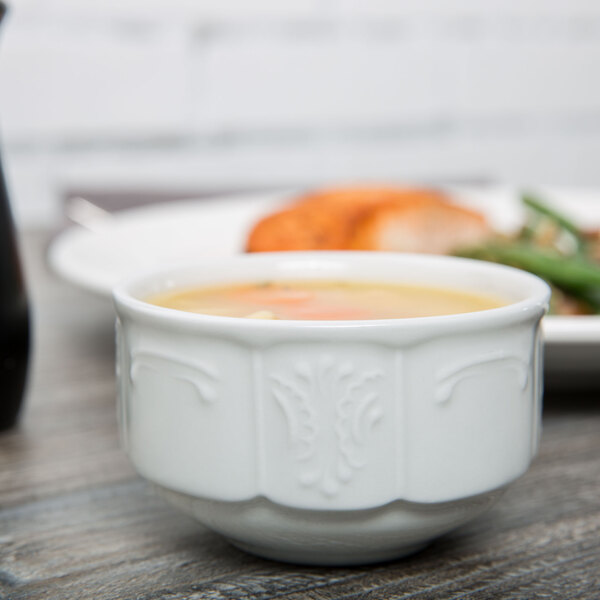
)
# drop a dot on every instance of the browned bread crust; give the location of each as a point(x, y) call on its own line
point(322, 220)
point(368, 218)
point(424, 225)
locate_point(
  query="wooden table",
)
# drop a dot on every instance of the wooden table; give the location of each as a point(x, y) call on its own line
point(77, 522)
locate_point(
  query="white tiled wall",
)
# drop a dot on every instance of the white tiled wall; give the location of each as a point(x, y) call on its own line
point(194, 94)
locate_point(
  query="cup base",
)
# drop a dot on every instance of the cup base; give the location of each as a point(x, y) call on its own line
point(331, 538)
point(327, 558)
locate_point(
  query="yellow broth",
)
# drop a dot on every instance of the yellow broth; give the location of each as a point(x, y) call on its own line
point(324, 300)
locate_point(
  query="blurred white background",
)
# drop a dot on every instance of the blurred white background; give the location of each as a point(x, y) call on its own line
point(223, 94)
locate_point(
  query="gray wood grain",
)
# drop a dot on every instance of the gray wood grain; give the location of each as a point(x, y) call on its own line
point(76, 521)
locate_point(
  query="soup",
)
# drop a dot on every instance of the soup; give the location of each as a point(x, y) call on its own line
point(324, 300)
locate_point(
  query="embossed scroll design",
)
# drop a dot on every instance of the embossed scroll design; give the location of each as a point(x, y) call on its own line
point(330, 409)
point(447, 379)
point(201, 377)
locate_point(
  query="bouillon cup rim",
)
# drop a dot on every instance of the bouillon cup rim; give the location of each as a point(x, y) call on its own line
point(126, 294)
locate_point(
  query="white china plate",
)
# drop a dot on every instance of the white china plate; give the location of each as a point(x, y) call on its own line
point(162, 235)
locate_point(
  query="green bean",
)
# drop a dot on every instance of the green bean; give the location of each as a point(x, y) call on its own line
point(572, 274)
point(563, 222)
